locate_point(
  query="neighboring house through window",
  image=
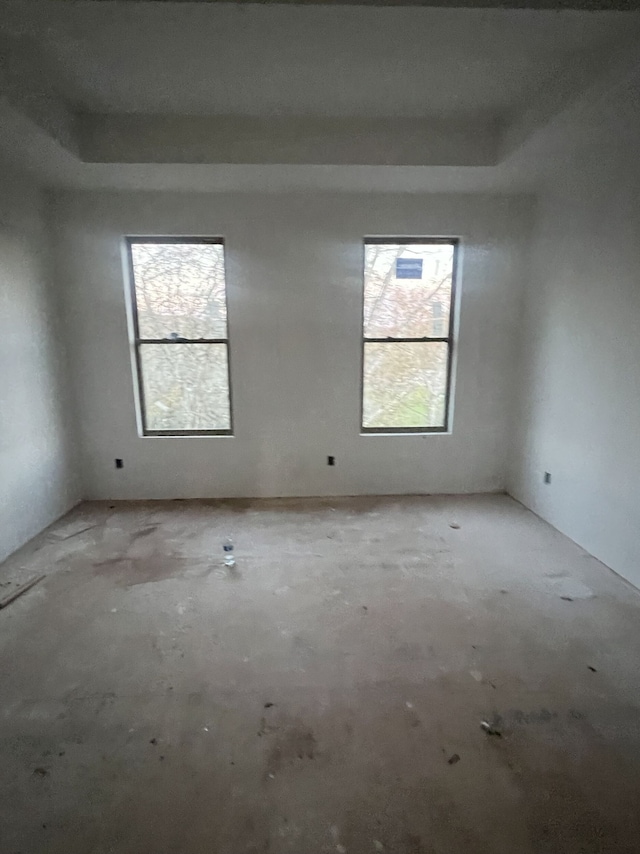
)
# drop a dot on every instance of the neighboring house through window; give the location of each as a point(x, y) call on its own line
point(409, 295)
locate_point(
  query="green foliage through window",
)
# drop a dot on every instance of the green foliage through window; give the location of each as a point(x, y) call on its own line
point(181, 335)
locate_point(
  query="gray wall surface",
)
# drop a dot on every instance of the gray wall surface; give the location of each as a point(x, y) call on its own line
point(294, 278)
point(37, 481)
point(578, 415)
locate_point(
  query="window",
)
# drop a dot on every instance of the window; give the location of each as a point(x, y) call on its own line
point(181, 342)
point(409, 292)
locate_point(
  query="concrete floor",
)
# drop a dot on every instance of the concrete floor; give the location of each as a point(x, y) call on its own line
point(315, 699)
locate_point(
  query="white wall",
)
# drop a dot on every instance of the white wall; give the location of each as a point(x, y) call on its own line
point(579, 410)
point(294, 271)
point(37, 482)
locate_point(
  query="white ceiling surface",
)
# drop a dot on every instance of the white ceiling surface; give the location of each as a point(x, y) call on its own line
point(177, 59)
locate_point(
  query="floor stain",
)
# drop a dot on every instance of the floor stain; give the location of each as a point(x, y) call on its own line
point(128, 572)
point(291, 747)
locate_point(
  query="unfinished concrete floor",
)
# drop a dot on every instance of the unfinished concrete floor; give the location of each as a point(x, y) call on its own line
point(327, 695)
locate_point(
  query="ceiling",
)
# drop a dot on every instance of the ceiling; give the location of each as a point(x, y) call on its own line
point(184, 83)
point(210, 59)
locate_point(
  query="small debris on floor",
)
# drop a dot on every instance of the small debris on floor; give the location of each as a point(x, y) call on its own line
point(592, 669)
point(409, 705)
point(20, 591)
point(454, 525)
point(364, 608)
point(41, 772)
point(570, 589)
point(504, 591)
point(205, 728)
point(61, 753)
point(76, 533)
point(281, 590)
point(153, 741)
point(490, 730)
point(378, 845)
point(161, 758)
point(268, 705)
point(453, 759)
point(272, 776)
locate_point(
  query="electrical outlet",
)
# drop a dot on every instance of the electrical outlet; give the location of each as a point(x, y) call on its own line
point(119, 463)
point(547, 477)
point(331, 461)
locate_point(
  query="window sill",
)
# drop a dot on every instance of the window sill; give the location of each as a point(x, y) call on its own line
point(394, 433)
point(202, 435)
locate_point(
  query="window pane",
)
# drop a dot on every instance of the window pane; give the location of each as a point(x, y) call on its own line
point(405, 385)
point(407, 289)
point(180, 289)
point(186, 386)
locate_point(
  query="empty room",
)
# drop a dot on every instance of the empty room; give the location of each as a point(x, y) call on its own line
point(320, 427)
